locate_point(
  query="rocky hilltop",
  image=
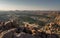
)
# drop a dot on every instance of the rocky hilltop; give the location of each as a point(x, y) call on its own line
point(30, 24)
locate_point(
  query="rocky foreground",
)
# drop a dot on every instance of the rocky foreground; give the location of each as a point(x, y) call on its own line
point(12, 30)
point(25, 33)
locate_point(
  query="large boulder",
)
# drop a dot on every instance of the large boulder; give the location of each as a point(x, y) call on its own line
point(26, 36)
point(9, 35)
point(52, 36)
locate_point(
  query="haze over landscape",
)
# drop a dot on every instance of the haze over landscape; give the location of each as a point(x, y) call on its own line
point(29, 4)
point(29, 18)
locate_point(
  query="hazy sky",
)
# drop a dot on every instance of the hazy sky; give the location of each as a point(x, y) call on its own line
point(29, 4)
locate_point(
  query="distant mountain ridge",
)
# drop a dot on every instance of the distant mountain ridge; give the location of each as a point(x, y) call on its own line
point(28, 12)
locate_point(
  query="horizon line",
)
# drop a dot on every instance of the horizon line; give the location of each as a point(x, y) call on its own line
point(29, 10)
